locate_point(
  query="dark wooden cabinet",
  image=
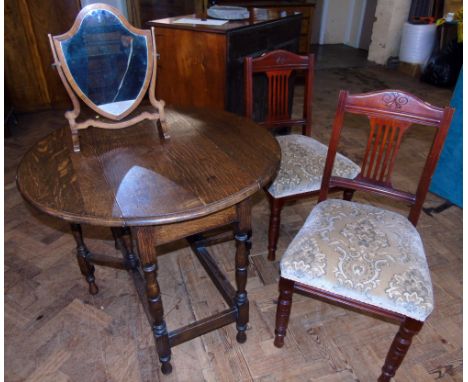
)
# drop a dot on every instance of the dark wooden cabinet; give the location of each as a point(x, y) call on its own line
point(158, 9)
point(203, 65)
point(305, 7)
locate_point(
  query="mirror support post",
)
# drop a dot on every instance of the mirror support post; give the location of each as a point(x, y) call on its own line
point(161, 122)
point(70, 115)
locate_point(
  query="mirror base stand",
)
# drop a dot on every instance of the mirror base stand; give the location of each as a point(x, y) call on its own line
point(158, 118)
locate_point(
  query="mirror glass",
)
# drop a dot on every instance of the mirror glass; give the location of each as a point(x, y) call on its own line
point(108, 63)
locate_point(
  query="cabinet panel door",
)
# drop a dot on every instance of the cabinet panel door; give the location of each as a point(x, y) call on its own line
point(191, 68)
point(27, 89)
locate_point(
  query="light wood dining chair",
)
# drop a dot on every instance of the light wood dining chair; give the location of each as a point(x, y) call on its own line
point(302, 157)
point(360, 255)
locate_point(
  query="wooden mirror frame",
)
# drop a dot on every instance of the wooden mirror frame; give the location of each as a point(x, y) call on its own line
point(73, 89)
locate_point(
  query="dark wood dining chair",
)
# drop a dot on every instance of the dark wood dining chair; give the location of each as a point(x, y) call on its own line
point(302, 157)
point(360, 255)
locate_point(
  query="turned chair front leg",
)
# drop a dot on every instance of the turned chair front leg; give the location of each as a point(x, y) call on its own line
point(283, 310)
point(400, 345)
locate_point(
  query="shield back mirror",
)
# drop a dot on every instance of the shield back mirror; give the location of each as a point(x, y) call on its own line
point(109, 65)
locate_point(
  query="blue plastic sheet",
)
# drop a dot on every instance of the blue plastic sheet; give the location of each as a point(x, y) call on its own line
point(447, 181)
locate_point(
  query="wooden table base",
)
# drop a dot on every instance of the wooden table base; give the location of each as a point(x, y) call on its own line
point(144, 277)
point(200, 180)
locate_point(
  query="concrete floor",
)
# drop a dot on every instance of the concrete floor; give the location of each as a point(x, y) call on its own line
point(339, 56)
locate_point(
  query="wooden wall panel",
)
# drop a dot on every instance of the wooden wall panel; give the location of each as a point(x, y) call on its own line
point(55, 17)
point(23, 80)
point(29, 77)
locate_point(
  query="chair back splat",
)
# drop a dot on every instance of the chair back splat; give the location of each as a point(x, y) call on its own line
point(279, 68)
point(391, 114)
point(269, 92)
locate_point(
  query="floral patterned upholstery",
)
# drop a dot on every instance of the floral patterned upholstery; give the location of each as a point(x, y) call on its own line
point(364, 253)
point(302, 163)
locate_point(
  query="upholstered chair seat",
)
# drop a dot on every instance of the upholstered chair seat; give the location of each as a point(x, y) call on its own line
point(363, 253)
point(302, 164)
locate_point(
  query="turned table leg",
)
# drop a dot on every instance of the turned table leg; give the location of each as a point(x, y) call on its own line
point(148, 258)
point(116, 233)
point(124, 242)
point(243, 246)
point(242, 263)
point(82, 255)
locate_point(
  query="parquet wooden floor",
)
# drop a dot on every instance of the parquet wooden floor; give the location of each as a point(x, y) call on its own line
point(55, 331)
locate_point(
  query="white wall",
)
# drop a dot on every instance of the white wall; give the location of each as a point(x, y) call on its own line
point(316, 22)
point(386, 33)
point(341, 21)
point(335, 16)
point(355, 19)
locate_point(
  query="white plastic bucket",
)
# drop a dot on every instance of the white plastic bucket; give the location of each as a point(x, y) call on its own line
point(417, 42)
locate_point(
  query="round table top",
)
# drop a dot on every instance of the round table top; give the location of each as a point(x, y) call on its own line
point(213, 160)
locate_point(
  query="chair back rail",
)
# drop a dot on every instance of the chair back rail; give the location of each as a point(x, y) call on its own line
point(278, 66)
point(391, 114)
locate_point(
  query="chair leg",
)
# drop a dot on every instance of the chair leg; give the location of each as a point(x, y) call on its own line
point(283, 310)
point(400, 345)
point(348, 194)
point(273, 232)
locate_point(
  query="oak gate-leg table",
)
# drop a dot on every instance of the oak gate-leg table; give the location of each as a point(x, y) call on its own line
point(158, 191)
